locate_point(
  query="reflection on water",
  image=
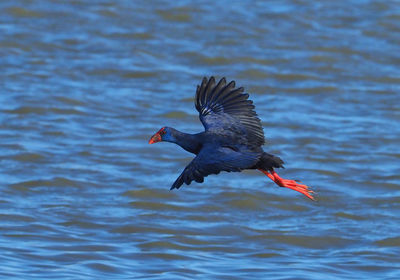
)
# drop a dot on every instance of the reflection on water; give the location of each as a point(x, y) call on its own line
point(84, 86)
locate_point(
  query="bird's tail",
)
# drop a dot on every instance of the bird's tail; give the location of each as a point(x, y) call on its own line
point(269, 162)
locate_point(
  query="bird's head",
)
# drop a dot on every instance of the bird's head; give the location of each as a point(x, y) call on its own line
point(164, 134)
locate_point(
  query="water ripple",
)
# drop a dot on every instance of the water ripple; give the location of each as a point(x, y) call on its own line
point(84, 87)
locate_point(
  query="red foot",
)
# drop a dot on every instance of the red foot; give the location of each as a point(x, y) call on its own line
point(291, 184)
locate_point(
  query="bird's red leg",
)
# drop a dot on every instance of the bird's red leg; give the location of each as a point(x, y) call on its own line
point(291, 184)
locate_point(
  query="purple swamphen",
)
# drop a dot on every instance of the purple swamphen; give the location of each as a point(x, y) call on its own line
point(232, 140)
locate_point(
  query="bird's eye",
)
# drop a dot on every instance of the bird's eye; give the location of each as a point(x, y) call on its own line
point(162, 131)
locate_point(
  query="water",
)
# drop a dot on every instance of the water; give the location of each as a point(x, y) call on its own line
point(85, 84)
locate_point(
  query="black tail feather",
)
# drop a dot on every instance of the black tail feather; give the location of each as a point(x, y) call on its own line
point(269, 162)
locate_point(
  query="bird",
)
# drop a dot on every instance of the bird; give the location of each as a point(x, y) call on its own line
point(232, 139)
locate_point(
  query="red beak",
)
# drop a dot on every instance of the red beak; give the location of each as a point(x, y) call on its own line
point(155, 138)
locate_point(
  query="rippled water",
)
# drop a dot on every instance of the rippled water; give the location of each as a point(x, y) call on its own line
point(85, 84)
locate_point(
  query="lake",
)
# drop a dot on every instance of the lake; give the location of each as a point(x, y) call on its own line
point(84, 85)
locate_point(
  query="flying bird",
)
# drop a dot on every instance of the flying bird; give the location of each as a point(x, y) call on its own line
point(232, 140)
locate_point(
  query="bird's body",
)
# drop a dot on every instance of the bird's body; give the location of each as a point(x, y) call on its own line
point(232, 140)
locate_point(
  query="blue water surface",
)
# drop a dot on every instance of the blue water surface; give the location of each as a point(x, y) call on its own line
point(84, 84)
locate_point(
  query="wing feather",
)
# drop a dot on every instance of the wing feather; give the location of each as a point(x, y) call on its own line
point(221, 106)
point(213, 160)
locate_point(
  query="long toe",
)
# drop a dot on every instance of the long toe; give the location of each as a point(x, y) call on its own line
point(293, 185)
point(290, 184)
point(298, 187)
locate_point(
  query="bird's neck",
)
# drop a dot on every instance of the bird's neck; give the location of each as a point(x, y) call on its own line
point(189, 142)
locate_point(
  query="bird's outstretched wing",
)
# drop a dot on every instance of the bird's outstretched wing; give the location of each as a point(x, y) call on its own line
point(213, 160)
point(223, 107)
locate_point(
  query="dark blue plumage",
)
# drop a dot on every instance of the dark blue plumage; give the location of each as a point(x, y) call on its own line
point(232, 138)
